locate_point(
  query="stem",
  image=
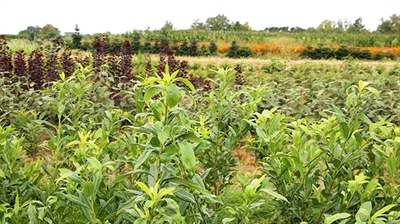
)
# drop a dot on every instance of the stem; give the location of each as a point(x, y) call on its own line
point(245, 213)
point(215, 164)
point(199, 208)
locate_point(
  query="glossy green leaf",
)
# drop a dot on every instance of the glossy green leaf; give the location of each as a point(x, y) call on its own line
point(331, 219)
point(274, 194)
point(156, 108)
point(187, 155)
point(172, 95)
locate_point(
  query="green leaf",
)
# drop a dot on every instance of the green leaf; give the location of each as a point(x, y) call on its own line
point(86, 211)
point(350, 98)
point(88, 188)
point(381, 212)
point(74, 200)
point(364, 212)
point(123, 176)
point(163, 134)
point(187, 83)
point(274, 123)
point(33, 218)
point(344, 129)
point(260, 132)
point(374, 91)
point(148, 130)
point(149, 93)
point(139, 100)
point(143, 157)
point(97, 179)
point(362, 85)
point(187, 155)
point(16, 205)
point(184, 182)
point(190, 137)
point(95, 163)
point(227, 220)
point(66, 173)
point(296, 136)
point(185, 196)
point(198, 180)
point(156, 107)
point(364, 118)
point(330, 219)
point(274, 194)
point(164, 191)
point(2, 174)
point(172, 95)
point(145, 189)
point(338, 113)
point(391, 165)
point(362, 215)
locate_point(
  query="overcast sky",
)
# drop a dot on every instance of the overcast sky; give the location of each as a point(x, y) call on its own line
point(120, 16)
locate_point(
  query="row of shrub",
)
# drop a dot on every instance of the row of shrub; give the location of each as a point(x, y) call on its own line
point(342, 53)
point(152, 46)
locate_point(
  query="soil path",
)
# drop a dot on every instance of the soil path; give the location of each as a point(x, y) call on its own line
point(255, 61)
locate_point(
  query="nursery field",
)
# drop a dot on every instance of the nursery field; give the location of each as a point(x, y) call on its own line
point(116, 138)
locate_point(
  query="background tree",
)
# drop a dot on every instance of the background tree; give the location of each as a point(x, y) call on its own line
point(197, 25)
point(49, 31)
point(218, 23)
point(213, 48)
point(327, 26)
point(76, 39)
point(30, 32)
point(136, 47)
point(277, 29)
point(193, 48)
point(342, 25)
point(357, 26)
point(391, 25)
point(168, 26)
point(240, 27)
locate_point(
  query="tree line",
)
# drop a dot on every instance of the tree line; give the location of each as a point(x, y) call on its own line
point(222, 23)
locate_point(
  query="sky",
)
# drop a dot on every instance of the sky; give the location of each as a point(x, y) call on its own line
point(121, 16)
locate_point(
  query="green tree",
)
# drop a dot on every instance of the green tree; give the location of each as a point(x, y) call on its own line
point(76, 39)
point(357, 26)
point(327, 26)
point(196, 25)
point(184, 48)
point(193, 48)
point(217, 23)
point(31, 32)
point(391, 25)
point(342, 25)
point(49, 31)
point(213, 48)
point(240, 27)
point(147, 45)
point(168, 26)
point(233, 50)
point(136, 47)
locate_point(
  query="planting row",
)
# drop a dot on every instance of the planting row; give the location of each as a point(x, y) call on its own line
point(165, 154)
point(299, 90)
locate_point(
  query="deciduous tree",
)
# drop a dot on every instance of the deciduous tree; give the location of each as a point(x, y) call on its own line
point(217, 23)
point(391, 25)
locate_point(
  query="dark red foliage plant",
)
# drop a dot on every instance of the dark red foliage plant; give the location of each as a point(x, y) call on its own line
point(99, 58)
point(5, 58)
point(126, 62)
point(20, 74)
point(35, 62)
point(52, 62)
point(67, 63)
